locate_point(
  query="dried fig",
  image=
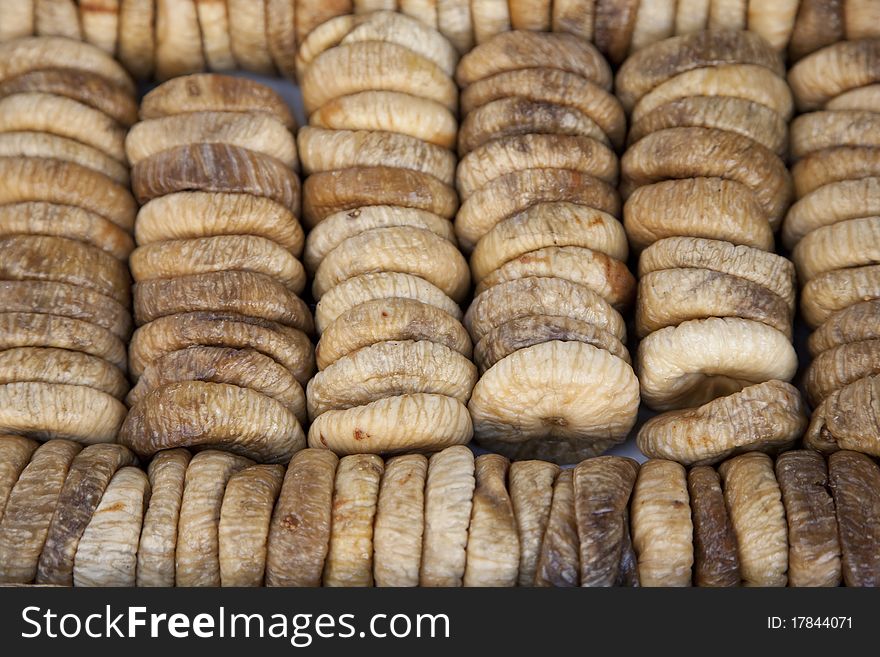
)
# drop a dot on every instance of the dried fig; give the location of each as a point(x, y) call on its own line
point(820, 130)
point(248, 37)
point(46, 145)
point(15, 454)
point(819, 23)
point(855, 322)
point(531, 493)
point(831, 165)
point(834, 70)
point(844, 245)
point(848, 418)
point(137, 38)
point(178, 39)
point(716, 561)
point(51, 365)
point(830, 204)
point(839, 366)
point(835, 290)
point(559, 556)
point(490, 17)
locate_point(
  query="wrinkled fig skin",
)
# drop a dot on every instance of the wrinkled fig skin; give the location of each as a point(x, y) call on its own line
point(212, 415)
point(493, 542)
point(848, 418)
point(86, 87)
point(559, 558)
point(30, 508)
point(215, 168)
point(754, 503)
point(299, 534)
point(528, 331)
point(839, 366)
point(716, 561)
point(855, 484)
point(602, 488)
point(88, 477)
point(246, 293)
point(833, 70)
point(661, 61)
point(819, 23)
point(245, 368)
point(614, 27)
point(15, 454)
point(531, 492)
point(518, 50)
point(852, 324)
point(167, 473)
point(52, 365)
point(355, 497)
point(662, 532)
point(813, 546)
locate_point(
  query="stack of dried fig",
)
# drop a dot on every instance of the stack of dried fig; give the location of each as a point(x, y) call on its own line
point(705, 188)
point(222, 352)
point(88, 518)
point(834, 232)
point(394, 359)
point(539, 217)
point(66, 218)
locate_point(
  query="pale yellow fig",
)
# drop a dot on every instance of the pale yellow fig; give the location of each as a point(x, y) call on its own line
point(248, 36)
point(834, 164)
point(839, 366)
point(288, 346)
point(243, 531)
point(107, 553)
point(388, 369)
point(653, 66)
point(732, 14)
point(208, 92)
point(765, 417)
point(310, 15)
point(418, 422)
point(156, 550)
point(400, 522)
point(49, 411)
point(455, 23)
point(831, 71)
point(608, 277)
point(178, 39)
point(511, 51)
point(18, 19)
point(515, 192)
point(847, 419)
point(671, 296)
point(852, 324)
point(214, 25)
point(655, 21)
point(137, 36)
point(530, 330)
point(490, 17)
point(355, 498)
point(221, 253)
point(551, 85)
point(693, 363)
point(707, 152)
point(47, 145)
point(835, 290)
point(375, 66)
point(537, 16)
point(384, 285)
point(197, 555)
point(572, 401)
point(32, 53)
point(54, 365)
point(820, 130)
point(774, 21)
point(338, 227)
point(99, 20)
point(281, 35)
point(830, 204)
point(16, 454)
point(754, 502)
point(188, 215)
point(548, 224)
point(325, 150)
point(736, 216)
point(662, 530)
point(390, 319)
point(404, 249)
point(256, 132)
point(747, 81)
point(531, 493)
point(750, 119)
point(861, 98)
point(852, 243)
point(389, 111)
point(57, 18)
point(299, 534)
point(540, 296)
point(449, 490)
point(766, 269)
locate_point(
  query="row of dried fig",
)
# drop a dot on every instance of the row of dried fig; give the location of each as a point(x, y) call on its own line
point(222, 352)
point(539, 218)
point(90, 517)
point(705, 188)
point(166, 38)
point(394, 359)
point(833, 231)
point(66, 219)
